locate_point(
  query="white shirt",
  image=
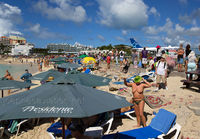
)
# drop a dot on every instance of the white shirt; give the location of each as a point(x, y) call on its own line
point(160, 68)
point(159, 53)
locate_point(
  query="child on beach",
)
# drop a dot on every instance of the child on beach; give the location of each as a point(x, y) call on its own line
point(161, 73)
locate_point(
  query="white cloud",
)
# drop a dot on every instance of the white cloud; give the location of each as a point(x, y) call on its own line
point(101, 38)
point(154, 11)
point(9, 16)
point(35, 28)
point(124, 32)
point(43, 33)
point(120, 39)
point(178, 28)
point(183, 1)
point(173, 34)
point(123, 14)
point(191, 19)
point(153, 30)
point(64, 10)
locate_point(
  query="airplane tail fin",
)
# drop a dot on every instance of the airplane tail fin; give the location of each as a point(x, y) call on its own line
point(134, 43)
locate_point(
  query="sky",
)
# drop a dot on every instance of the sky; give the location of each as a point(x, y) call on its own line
point(102, 22)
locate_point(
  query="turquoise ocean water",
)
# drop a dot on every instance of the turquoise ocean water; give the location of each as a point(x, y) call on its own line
point(16, 70)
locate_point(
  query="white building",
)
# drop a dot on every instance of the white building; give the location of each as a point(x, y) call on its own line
point(21, 49)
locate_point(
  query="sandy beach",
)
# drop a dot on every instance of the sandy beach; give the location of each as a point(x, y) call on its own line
point(176, 97)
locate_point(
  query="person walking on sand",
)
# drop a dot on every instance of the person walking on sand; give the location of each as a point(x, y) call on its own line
point(116, 56)
point(180, 53)
point(161, 73)
point(108, 59)
point(134, 58)
point(144, 57)
point(26, 77)
point(138, 98)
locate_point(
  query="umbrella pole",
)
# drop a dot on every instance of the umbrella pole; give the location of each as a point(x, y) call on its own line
point(63, 127)
point(2, 93)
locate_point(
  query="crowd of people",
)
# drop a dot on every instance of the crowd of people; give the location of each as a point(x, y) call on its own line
point(160, 63)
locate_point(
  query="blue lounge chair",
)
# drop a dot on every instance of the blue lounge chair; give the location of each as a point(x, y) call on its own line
point(161, 125)
point(128, 113)
point(109, 118)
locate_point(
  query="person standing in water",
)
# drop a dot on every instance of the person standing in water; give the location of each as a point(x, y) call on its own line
point(138, 98)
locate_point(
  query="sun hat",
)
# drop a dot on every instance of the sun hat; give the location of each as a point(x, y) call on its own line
point(51, 78)
point(137, 79)
point(158, 46)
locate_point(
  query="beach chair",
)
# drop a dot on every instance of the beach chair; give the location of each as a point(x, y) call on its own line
point(1, 131)
point(91, 131)
point(128, 114)
point(15, 127)
point(163, 125)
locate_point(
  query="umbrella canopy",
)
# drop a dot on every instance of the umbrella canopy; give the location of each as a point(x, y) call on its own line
point(58, 59)
point(61, 62)
point(12, 84)
point(46, 74)
point(84, 79)
point(83, 56)
point(87, 60)
point(68, 65)
point(59, 100)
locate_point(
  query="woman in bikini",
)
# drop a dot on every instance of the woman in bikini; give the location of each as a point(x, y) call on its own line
point(138, 97)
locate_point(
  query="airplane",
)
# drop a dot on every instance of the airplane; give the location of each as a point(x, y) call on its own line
point(138, 47)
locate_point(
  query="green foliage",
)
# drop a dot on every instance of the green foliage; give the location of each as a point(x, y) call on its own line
point(4, 49)
point(104, 47)
point(42, 51)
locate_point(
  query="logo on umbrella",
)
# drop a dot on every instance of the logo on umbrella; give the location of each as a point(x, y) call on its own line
point(47, 109)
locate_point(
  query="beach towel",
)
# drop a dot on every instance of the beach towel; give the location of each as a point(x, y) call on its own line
point(155, 101)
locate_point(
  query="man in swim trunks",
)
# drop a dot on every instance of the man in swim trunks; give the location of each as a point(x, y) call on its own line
point(138, 97)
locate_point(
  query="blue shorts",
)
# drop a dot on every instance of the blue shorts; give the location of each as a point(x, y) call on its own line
point(180, 61)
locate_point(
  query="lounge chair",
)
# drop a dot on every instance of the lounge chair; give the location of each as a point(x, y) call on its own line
point(162, 126)
point(128, 114)
point(15, 127)
point(52, 130)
